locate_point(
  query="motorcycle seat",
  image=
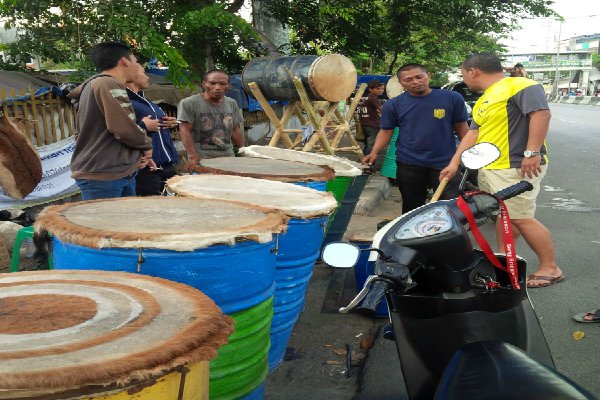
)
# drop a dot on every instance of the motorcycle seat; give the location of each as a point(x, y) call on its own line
point(496, 370)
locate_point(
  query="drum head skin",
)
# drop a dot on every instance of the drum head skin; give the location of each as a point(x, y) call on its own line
point(263, 168)
point(20, 165)
point(170, 223)
point(333, 77)
point(85, 331)
point(393, 87)
point(341, 166)
point(293, 200)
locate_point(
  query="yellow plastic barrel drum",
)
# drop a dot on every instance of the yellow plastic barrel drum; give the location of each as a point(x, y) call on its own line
point(106, 335)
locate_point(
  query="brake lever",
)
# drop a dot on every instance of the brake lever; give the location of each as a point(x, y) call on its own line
point(363, 293)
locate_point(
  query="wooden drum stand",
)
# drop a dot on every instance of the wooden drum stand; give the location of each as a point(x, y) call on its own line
point(330, 125)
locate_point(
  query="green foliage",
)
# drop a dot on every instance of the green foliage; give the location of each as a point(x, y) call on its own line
point(596, 60)
point(187, 35)
point(222, 35)
point(192, 36)
point(380, 35)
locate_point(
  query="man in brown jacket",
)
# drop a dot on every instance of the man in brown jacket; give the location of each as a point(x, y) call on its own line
point(110, 146)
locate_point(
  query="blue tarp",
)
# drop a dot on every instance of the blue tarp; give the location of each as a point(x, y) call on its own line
point(38, 93)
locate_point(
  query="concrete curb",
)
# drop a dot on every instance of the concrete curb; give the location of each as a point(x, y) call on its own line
point(376, 190)
point(588, 100)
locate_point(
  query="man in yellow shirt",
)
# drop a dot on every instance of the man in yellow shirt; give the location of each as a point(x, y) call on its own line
point(514, 115)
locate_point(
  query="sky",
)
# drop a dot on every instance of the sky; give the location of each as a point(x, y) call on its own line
point(582, 17)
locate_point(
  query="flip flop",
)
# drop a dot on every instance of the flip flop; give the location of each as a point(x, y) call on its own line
point(551, 280)
point(581, 317)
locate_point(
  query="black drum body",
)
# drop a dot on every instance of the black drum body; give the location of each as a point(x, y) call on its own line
point(331, 77)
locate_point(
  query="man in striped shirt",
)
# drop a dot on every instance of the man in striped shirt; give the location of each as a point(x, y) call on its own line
point(110, 146)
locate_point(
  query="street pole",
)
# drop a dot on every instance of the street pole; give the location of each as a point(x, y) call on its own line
point(556, 73)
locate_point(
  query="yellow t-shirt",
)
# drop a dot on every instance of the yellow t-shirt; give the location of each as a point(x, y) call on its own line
point(501, 116)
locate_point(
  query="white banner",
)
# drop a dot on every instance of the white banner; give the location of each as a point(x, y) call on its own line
point(56, 177)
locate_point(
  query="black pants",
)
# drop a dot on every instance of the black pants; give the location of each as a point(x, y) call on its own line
point(152, 183)
point(414, 181)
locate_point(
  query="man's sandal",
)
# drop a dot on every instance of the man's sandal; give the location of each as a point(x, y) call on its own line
point(550, 280)
point(595, 316)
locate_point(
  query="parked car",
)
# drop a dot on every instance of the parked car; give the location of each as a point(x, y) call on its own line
point(470, 96)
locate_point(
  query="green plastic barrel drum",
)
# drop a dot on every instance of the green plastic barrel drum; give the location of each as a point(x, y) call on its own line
point(388, 168)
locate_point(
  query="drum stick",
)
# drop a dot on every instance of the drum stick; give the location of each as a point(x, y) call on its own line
point(439, 190)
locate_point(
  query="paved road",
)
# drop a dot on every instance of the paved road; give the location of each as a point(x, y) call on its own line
point(569, 205)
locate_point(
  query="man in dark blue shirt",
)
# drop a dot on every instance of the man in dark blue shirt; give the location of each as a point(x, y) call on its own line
point(429, 121)
point(157, 125)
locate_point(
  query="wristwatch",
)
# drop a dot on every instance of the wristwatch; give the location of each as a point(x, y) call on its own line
point(530, 153)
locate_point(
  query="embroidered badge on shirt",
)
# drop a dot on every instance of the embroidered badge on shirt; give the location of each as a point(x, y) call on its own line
point(439, 113)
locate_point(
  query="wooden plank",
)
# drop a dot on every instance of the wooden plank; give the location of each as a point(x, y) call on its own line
point(264, 104)
point(279, 134)
point(298, 113)
point(69, 113)
point(61, 118)
point(353, 149)
point(308, 108)
point(329, 113)
point(36, 117)
point(275, 138)
point(287, 113)
point(44, 119)
point(51, 103)
point(29, 121)
point(326, 146)
point(2, 98)
point(355, 100)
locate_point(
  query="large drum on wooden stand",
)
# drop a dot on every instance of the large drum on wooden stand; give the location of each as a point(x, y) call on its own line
point(105, 335)
point(312, 176)
point(225, 249)
point(299, 246)
point(331, 77)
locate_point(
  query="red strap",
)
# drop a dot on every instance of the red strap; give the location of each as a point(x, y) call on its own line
point(509, 245)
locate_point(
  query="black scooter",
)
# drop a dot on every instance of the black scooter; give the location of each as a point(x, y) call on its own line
point(464, 328)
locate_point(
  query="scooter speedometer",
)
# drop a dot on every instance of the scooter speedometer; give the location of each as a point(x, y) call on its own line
point(429, 222)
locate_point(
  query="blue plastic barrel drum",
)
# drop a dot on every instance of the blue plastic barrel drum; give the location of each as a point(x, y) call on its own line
point(347, 185)
point(227, 250)
point(298, 247)
point(300, 173)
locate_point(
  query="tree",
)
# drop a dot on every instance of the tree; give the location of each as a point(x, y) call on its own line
point(187, 35)
point(596, 61)
point(192, 36)
point(382, 34)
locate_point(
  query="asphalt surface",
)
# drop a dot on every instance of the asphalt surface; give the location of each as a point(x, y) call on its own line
point(568, 205)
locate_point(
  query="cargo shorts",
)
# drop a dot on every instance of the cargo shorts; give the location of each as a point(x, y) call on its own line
point(521, 207)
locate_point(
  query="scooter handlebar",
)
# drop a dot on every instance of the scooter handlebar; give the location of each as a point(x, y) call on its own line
point(514, 190)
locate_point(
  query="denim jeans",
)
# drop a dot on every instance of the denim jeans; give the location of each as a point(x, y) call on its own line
point(94, 189)
point(152, 183)
point(414, 181)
